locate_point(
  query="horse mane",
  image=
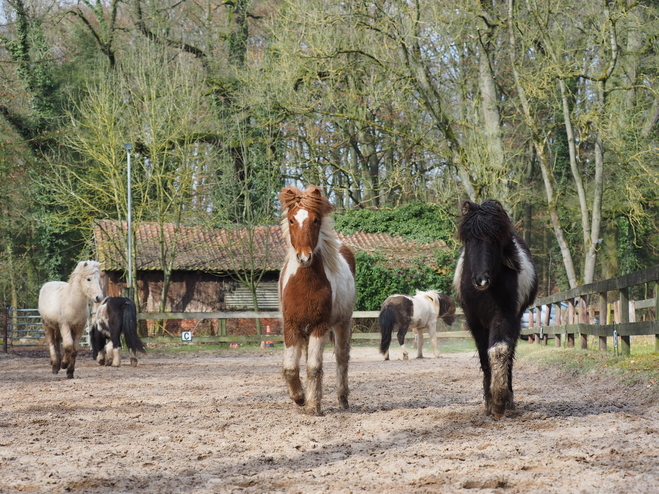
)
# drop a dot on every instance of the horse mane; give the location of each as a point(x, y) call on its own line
point(313, 199)
point(85, 268)
point(486, 221)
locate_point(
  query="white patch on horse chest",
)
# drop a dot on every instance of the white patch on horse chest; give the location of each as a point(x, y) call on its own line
point(300, 216)
point(526, 276)
point(290, 268)
point(458, 273)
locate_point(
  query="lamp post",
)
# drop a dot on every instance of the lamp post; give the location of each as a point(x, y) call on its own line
point(128, 147)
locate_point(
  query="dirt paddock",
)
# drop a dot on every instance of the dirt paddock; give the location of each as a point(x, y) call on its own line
point(221, 422)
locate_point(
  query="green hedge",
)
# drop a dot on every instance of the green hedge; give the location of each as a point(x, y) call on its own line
point(376, 280)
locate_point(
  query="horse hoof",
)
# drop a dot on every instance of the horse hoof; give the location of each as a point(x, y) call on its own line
point(299, 401)
point(55, 369)
point(405, 357)
point(498, 411)
point(133, 362)
point(343, 402)
point(69, 375)
point(313, 411)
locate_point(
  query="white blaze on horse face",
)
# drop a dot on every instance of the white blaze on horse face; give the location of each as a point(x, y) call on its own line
point(300, 216)
point(304, 258)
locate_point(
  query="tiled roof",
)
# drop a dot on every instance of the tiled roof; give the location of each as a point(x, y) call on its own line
point(221, 250)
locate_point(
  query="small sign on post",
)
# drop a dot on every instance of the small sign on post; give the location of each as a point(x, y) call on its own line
point(186, 335)
point(615, 342)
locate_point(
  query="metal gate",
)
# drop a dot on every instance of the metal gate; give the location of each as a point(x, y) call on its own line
point(24, 327)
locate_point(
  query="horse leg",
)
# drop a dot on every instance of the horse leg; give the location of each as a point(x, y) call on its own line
point(432, 331)
point(133, 357)
point(70, 351)
point(481, 338)
point(342, 355)
point(116, 348)
point(54, 348)
point(116, 357)
point(108, 352)
point(501, 358)
point(419, 344)
point(402, 331)
point(291, 372)
point(314, 391)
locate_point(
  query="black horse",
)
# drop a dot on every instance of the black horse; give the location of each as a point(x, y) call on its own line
point(495, 281)
point(115, 316)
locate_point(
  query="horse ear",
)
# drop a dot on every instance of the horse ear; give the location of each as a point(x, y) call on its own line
point(315, 191)
point(287, 195)
point(467, 206)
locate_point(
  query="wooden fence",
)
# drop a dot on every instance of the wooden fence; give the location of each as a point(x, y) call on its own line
point(13, 336)
point(601, 309)
point(224, 338)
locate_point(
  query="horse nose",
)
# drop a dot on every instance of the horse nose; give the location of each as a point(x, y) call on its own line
point(481, 280)
point(98, 298)
point(304, 258)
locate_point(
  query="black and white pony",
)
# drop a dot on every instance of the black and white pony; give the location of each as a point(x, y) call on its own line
point(418, 312)
point(495, 281)
point(115, 316)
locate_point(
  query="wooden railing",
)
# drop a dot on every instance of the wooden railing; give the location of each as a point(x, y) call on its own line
point(224, 338)
point(608, 300)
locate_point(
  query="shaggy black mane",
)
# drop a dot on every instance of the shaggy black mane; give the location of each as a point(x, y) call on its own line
point(487, 221)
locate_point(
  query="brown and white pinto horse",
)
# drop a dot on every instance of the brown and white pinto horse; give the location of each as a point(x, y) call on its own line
point(316, 294)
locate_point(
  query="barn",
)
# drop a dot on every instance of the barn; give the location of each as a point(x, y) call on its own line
point(210, 268)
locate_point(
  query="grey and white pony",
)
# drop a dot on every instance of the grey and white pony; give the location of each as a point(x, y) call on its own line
point(418, 312)
point(64, 310)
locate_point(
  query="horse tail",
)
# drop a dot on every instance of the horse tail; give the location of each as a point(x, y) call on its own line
point(447, 309)
point(387, 321)
point(129, 324)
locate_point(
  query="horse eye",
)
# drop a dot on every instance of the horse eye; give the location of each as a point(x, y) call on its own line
point(291, 221)
point(89, 279)
point(316, 221)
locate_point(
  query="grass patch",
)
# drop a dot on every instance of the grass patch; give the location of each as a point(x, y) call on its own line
point(641, 367)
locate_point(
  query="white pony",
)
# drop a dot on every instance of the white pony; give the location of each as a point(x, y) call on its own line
point(402, 312)
point(64, 310)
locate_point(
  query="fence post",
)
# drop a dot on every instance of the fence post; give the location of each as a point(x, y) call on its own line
point(559, 315)
point(603, 318)
point(5, 328)
point(570, 320)
point(624, 318)
point(583, 319)
point(656, 315)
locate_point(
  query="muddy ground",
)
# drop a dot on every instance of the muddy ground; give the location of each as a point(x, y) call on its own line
point(221, 422)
